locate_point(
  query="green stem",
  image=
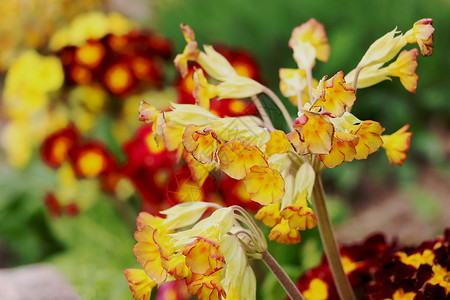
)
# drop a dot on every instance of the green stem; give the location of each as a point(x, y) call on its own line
point(290, 288)
point(329, 242)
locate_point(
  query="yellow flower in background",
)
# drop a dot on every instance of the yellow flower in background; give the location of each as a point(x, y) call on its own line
point(27, 84)
point(91, 25)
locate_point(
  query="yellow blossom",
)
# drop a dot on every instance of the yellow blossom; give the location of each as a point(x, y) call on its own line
point(313, 134)
point(203, 91)
point(284, 234)
point(396, 145)
point(422, 34)
point(269, 214)
point(278, 143)
point(265, 185)
point(368, 133)
point(299, 216)
point(190, 52)
point(405, 68)
point(334, 95)
point(140, 284)
point(344, 149)
point(202, 143)
point(237, 157)
point(203, 256)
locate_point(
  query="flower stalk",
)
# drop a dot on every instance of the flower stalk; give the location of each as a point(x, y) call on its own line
point(329, 242)
point(282, 277)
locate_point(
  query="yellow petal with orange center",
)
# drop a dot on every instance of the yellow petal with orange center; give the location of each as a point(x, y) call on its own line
point(396, 145)
point(343, 149)
point(202, 143)
point(140, 284)
point(203, 256)
point(369, 138)
point(282, 233)
point(299, 217)
point(313, 134)
point(265, 185)
point(336, 95)
point(237, 157)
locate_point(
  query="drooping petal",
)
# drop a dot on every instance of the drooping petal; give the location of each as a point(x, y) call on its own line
point(190, 52)
point(199, 171)
point(269, 214)
point(396, 145)
point(140, 284)
point(237, 157)
point(336, 95)
point(265, 185)
point(313, 134)
point(282, 233)
point(344, 149)
point(422, 34)
point(147, 112)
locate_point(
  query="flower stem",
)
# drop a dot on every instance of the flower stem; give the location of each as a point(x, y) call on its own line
point(290, 288)
point(280, 105)
point(263, 113)
point(329, 242)
point(355, 79)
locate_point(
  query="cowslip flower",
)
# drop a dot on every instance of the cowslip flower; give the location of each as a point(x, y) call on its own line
point(207, 253)
point(396, 145)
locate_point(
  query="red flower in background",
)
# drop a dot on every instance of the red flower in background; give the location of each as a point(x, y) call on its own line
point(55, 148)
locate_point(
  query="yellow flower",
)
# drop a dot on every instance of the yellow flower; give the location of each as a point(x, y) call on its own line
point(440, 276)
point(417, 259)
point(190, 52)
point(405, 68)
point(422, 34)
point(203, 256)
point(203, 91)
point(269, 214)
point(147, 113)
point(396, 145)
point(343, 149)
point(284, 234)
point(140, 284)
point(278, 143)
point(334, 95)
point(265, 185)
point(313, 134)
point(368, 133)
point(206, 287)
point(299, 217)
point(237, 157)
point(292, 81)
point(314, 33)
point(202, 143)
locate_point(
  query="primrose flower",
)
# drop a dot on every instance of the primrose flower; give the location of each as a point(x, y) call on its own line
point(396, 145)
point(207, 254)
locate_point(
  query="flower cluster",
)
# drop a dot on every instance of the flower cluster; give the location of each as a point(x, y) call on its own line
point(279, 170)
point(210, 255)
point(380, 270)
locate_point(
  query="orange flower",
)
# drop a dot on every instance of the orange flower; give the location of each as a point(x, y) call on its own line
point(335, 95)
point(265, 185)
point(237, 157)
point(343, 149)
point(313, 134)
point(201, 143)
point(396, 145)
